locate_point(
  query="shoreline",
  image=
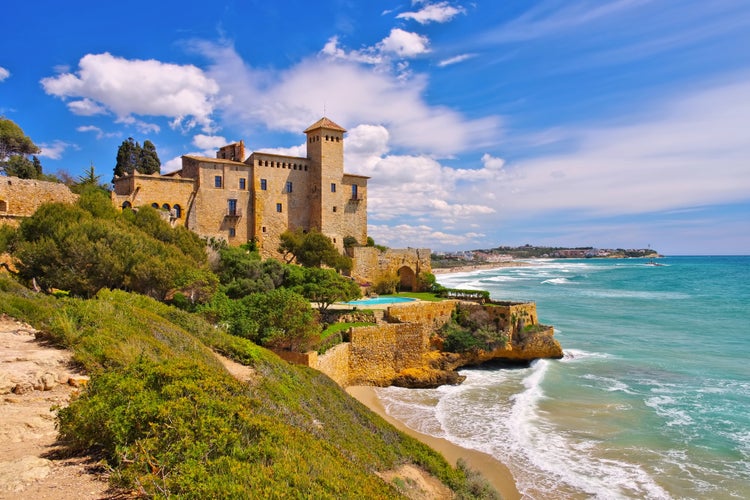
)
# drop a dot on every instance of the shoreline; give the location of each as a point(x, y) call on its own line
point(476, 267)
point(494, 471)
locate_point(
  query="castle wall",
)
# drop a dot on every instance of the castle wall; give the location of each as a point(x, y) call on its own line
point(335, 363)
point(378, 353)
point(163, 191)
point(431, 315)
point(370, 264)
point(20, 198)
point(278, 209)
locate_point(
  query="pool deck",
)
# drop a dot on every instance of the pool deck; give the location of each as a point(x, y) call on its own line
point(342, 306)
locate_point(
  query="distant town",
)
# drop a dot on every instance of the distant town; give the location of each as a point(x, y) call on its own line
point(507, 253)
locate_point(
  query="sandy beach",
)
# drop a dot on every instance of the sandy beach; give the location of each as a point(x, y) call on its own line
point(494, 471)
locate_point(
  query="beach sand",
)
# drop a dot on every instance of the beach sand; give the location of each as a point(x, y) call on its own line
point(494, 471)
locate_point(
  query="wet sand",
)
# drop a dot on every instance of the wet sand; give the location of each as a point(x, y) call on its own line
point(494, 471)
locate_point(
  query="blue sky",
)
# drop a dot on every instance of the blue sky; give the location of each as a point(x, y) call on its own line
point(613, 124)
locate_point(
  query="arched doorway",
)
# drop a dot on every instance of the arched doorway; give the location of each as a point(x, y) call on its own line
point(408, 279)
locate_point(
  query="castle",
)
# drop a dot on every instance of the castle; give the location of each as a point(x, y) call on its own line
point(255, 199)
point(261, 197)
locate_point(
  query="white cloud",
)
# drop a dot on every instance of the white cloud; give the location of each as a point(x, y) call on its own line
point(293, 98)
point(690, 152)
point(126, 88)
point(440, 12)
point(455, 60)
point(55, 150)
point(408, 235)
point(99, 132)
point(209, 142)
point(175, 163)
point(86, 107)
point(404, 44)
point(4, 74)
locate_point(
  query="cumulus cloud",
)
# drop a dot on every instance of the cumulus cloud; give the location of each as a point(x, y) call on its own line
point(55, 150)
point(403, 235)
point(4, 74)
point(404, 44)
point(293, 98)
point(134, 87)
point(209, 142)
point(440, 12)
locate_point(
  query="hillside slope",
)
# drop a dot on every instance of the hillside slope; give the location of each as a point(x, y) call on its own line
point(172, 421)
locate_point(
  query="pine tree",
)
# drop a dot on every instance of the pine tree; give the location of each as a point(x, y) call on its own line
point(127, 157)
point(148, 160)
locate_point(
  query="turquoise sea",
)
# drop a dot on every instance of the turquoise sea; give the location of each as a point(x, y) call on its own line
point(652, 398)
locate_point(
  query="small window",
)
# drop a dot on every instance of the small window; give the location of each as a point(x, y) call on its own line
point(354, 192)
point(4, 205)
point(264, 229)
point(278, 207)
point(243, 183)
point(155, 205)
point(232, 207)
point(263, 184)
point(333, 187)
point(217, 181)
point(334, 209)
point(232, 232)
point(166, 207)
point(289, 186)
point(125, 204)
point(177, 211)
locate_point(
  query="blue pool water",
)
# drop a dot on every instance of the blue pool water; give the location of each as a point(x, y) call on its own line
point(380, 301)
point(652, 397)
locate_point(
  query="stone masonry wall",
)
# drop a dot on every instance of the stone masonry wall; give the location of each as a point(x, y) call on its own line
point(20, 198)
point(335, 363)
point(431, 315)
point(370, 264)
point(378, 353)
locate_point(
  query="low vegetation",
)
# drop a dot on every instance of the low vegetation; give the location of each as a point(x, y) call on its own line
point(172, 422)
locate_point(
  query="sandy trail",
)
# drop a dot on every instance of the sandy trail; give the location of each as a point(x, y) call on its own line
point(35, 377)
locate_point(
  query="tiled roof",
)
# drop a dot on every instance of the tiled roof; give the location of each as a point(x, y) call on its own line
point(324, 123)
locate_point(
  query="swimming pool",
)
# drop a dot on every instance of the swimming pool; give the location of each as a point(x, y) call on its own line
point(379, 301)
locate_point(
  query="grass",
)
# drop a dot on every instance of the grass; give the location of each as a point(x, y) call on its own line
point(428, 296)
point(341, 327)
point(172, 422)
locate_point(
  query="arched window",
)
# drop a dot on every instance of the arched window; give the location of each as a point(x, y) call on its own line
point(155, 205)
point(3, 206)
point(166, 207)
point(177, 211)
point(126, 204)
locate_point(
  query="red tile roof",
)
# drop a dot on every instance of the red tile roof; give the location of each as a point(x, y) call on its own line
point(325, 123)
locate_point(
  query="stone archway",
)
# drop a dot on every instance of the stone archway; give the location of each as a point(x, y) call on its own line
point(407, 278)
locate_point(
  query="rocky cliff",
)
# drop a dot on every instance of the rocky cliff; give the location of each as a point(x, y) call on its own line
point(409, 351)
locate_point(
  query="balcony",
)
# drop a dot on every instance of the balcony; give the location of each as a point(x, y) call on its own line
point(235, 213)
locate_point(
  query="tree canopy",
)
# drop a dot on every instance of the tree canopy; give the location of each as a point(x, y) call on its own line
point(324, 287)
point(132, 157)
point(15, 149)
point(312, 249)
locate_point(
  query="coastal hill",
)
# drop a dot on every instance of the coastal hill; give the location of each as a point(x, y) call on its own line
point(504, 254)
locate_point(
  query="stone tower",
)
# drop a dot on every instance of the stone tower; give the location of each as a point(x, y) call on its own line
point(325, 151)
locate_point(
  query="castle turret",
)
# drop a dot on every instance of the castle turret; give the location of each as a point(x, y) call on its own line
point(325, 150)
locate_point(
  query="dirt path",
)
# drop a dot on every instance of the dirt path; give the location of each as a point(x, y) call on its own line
point(34, 377)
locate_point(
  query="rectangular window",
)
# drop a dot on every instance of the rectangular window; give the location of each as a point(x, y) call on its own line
point(232, 207)
point(243, 182)
point(289, 186)
point(354, 192)
point(232, 232)
point(333, 187)
point(217, 181)
point(278, 207)
point(263, 184)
